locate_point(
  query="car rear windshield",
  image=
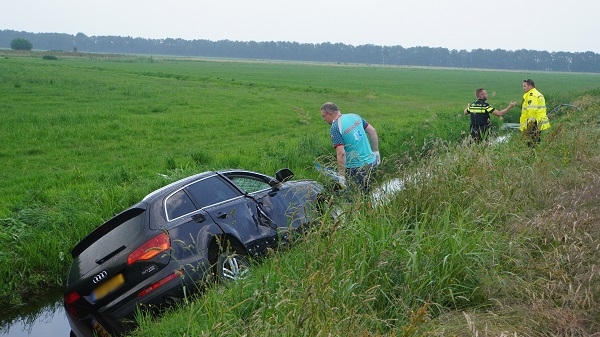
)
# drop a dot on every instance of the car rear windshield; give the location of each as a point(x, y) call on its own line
point(107, 227)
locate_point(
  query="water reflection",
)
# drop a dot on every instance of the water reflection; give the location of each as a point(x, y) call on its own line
point(44, 318)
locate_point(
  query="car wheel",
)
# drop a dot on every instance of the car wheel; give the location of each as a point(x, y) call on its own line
point(232, 266)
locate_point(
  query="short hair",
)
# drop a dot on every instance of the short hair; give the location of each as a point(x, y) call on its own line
point(329, 107)
point(530, 81)
point(478, 91)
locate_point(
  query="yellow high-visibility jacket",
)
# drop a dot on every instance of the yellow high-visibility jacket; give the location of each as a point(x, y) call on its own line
point(534, 107)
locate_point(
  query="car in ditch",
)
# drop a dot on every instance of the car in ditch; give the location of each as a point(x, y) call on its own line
point(180, 238)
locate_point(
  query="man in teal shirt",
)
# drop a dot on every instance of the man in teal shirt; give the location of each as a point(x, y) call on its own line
point(356, 145)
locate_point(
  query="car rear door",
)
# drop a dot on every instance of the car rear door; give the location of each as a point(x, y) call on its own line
point(237, 214)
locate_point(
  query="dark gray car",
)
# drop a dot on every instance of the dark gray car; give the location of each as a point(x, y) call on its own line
point(179, 238)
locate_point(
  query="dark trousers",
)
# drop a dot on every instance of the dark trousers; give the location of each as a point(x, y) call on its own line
point(361, 176)
point(532, 134)
point(479, 132)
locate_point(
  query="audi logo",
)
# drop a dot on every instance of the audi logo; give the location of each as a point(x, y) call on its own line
point(100, 276)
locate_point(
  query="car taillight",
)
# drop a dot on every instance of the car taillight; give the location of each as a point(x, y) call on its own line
point(72, 297)
point(150, 249)
point(158, 284)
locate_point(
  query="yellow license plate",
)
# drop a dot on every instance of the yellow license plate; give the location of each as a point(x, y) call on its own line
point(107, 287)
point(99, 329)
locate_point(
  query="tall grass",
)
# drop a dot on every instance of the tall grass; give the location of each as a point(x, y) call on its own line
point(484, 240)
point(85, 137)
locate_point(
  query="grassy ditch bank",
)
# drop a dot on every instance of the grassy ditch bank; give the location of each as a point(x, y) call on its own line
point(85, 137)
point(493, 240)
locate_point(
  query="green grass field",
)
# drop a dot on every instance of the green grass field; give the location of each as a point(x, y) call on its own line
point(86, 136)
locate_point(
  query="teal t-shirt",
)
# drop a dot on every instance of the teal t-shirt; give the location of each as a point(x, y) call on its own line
point(349, 131)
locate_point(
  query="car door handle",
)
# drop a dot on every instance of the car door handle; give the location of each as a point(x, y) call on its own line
point(222, 215)
point(199, 218)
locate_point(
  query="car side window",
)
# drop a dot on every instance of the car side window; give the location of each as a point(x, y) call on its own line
point(211, 190)
point(179, 204)
point(250, 184)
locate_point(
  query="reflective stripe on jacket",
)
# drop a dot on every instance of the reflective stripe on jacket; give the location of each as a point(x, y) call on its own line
point(480, 112)
point(534, 107)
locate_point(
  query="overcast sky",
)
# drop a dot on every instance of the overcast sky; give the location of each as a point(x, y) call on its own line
point(552, 25)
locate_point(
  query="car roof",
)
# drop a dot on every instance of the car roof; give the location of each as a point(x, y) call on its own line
point(176, 185)
point(167, 189)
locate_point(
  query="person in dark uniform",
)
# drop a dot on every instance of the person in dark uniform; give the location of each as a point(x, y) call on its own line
point(480, 111)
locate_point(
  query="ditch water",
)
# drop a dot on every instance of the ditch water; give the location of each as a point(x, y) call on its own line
point(45, 318)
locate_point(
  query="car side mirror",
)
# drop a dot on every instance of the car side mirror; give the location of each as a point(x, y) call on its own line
point(284, 175)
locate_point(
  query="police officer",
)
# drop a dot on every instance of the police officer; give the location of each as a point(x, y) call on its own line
point(533, 113)
point(480, 114)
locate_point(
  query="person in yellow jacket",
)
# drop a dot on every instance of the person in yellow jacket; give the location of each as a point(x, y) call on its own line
point(533, 113)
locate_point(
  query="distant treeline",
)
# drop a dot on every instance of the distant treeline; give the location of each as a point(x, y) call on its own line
point(316, 52)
